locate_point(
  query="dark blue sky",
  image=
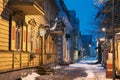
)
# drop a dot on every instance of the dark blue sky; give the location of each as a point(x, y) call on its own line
point(85, 12)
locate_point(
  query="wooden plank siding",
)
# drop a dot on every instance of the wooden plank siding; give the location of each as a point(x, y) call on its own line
point(4, 32)
point(36, 60)
point(47, 60)
point(25, 59)
point(6, 61)
point(38, 20)
point(4, 25)
point(10, 57)
point(28, 40)
point(1, 6)
point(117, 56)
point(17, 60)
point(50, 56)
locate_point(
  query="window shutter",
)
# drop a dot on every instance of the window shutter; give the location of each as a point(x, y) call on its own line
point(24, 38)
point(13, 37)
point(24, 34)
point(13, 33)
point(28, 40)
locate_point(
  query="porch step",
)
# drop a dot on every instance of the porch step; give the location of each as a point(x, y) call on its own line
point(43, 70)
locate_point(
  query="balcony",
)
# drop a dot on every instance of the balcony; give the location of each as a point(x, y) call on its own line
point(28, 7)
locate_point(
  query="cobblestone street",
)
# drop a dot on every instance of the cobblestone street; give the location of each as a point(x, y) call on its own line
point(78, 71)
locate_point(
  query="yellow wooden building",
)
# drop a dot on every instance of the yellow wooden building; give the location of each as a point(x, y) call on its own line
point(21, 45)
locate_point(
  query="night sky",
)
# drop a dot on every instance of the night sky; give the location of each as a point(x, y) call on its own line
point(85, 12)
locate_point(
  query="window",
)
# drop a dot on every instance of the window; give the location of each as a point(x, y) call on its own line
point(31, 38)
point(37, 43)
point(18, 35)
point(59, 43)
point(59, 38)
point(59, 48)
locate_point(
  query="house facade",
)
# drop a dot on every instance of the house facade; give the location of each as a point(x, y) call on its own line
point(76, 36)
point(64, 45)
point(25, 39)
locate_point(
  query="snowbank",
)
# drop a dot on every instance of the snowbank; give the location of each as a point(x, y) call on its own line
point(31, 76)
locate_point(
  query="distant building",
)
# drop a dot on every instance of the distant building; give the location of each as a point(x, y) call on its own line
point(72, 15)
point(64, 45)
point(76, 35)
point(93, 52)
point(86, 43)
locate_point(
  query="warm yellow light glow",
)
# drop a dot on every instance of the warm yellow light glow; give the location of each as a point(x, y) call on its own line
point(42, 32)
point(103, 29)
point(118, 33)
point(102, 39)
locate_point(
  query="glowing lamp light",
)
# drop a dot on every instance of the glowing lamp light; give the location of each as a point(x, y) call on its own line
point(103, 29)
point(102, 39)
point(89, 45)
point(42, 32)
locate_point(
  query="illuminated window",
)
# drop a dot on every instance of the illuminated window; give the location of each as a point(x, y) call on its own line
point(18, 35)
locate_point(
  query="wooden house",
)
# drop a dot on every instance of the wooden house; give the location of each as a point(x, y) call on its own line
point(21, 46)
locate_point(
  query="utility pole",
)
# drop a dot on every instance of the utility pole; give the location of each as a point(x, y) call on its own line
point(113, 41)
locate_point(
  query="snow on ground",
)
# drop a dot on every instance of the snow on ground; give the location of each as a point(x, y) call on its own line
point(31, 76)
point(90, 74)
point(87, 69)
point(89, 60)
point(94, 71)
point(56, 67)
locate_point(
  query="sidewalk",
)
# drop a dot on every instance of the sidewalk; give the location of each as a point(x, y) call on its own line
point(93, 71)
point(78, 71)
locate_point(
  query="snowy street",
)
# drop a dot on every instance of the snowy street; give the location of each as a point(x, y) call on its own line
point(78, 71)
point(59, 39)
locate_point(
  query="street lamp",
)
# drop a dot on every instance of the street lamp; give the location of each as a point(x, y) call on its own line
point(102, 39)
point(104, 29)
point(105, 32)
point(89, 45)
point(90, 49)
point(42, 32)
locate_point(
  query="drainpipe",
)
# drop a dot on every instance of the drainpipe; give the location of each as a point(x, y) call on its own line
point(10, 30)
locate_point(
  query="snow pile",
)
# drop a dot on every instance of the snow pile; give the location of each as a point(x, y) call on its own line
point(56, 67)
point(90, 74)
point(75, 65)
point(31, 76)
point(89, 61)
point(79, 78)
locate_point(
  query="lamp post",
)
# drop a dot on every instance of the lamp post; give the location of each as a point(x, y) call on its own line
point(90, 50)
point(113, 41)
point(105, 32)
point(42, 33)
